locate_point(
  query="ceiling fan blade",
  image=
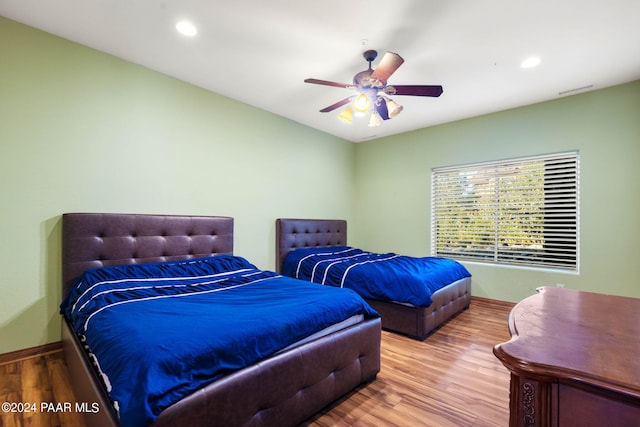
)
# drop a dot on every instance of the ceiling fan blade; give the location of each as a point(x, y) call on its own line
point(415, 90)
point(387, 66)
point(328, 83)
point(336, 105)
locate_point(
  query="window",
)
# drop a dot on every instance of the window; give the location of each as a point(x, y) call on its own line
point(521, 211)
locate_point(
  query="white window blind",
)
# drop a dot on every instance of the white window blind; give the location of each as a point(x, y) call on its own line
point(521, 211)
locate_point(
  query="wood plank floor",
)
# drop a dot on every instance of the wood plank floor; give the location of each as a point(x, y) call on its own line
point(450, 379)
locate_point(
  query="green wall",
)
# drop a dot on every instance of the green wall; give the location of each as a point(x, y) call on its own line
point(82, 131)
point(392, 204)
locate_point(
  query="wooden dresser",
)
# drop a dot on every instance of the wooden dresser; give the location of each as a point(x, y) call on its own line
point(574, 359)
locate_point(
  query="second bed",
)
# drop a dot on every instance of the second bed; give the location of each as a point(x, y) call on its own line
point(413, 320)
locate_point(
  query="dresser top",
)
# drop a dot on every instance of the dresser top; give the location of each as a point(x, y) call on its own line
point(576, 336)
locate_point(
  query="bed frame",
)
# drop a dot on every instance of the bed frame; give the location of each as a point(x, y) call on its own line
point(415, 322)
point(282, 390)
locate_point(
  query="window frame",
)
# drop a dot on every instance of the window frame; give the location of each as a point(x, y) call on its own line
point(522, 212)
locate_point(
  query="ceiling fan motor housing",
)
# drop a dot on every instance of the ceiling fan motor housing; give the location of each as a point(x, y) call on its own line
point(370, 56)
point(363, 79)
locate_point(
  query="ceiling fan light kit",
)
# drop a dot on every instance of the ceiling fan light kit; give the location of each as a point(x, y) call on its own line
point(346, 116)
point(372, 87)
point(374, 119)
point(362, 103)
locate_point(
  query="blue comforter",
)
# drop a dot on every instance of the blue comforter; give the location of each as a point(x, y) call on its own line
point(160, 331)
point(385, 277)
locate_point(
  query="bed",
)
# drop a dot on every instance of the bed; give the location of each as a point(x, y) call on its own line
point(284, 388)
point(414, 321)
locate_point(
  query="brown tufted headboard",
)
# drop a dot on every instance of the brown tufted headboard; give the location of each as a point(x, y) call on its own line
point(99, 239)
point(292, 233)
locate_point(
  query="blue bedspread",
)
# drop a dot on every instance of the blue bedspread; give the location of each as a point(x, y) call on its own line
point(385, 277)
point(160, 331)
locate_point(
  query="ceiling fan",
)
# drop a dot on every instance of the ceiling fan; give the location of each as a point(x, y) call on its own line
point(373, 90)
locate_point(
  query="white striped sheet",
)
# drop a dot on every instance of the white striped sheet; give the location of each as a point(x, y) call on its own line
point(321, 254)
point(344, 275)
point(108, 291)
point(158, 279)
point(86, 323)
point(334, 261)
point(337, 261)
point(209, 282)
point(326, 271)
point(105, 377)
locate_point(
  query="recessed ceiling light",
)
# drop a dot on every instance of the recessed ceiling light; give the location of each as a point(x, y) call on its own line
point(530, 62)
point(186, 28)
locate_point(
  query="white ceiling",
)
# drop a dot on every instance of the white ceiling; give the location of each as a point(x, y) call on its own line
point(259, 52)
